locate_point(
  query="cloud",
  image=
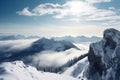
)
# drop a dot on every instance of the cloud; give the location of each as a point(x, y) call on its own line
point(44, 58)
point(25, 12)
point(97, 1)
point(55, 59)
point(74, 10)
point(15, 45)
point(69, 8)
point(47, 8)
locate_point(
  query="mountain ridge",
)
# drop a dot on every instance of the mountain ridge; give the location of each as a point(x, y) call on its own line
point(38, 46)
point(103, 57)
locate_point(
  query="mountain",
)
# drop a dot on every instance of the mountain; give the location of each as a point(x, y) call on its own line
point(77, 68)
point(104, 58)
point(78, 39)
point(16, 37)
point(36, 47)
point(51, 44)
point(17, 70)
point(102, 61)
point(43, 45)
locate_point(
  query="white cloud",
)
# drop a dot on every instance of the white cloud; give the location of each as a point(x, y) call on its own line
point(11, 45)
point(74, 10)
point(25, 12)
point(98, 1)
point(70, 8)
point(47, 8)
point(56, 59)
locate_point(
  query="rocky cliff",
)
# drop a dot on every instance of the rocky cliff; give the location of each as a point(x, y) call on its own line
point(104, 58)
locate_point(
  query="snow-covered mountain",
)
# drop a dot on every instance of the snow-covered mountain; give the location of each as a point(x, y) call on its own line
point(76, 69)
point(40, 53)
point(17, 70)
point(104, 57)
point(101, 63)
point(4, 37)
point(35, 47)
point(51, 44)
point(78, 39)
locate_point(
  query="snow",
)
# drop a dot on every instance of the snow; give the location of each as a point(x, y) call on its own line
point(104, 58)
point(51, 44)
point(76, 69)
point(83, 45)
point(99, 50)
point(17, 70)
point(115, 34)
point(106, 52)
point(56, 59)
point(83, 73)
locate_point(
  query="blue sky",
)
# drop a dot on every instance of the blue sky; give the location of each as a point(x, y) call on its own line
point(59, 17)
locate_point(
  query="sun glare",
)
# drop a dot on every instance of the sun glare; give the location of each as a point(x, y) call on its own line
point(76, 7)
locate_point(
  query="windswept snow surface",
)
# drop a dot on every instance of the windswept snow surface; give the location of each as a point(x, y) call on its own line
point(76, 69)
point(17, 70)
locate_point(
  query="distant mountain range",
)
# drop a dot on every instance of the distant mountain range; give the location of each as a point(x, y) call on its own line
point(16, 37)
point(77, 39)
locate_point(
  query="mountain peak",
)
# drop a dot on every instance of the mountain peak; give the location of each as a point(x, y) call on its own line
point(111, 33)
point(104, 56)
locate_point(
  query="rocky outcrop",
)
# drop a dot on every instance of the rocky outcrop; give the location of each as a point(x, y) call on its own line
point(104, 57)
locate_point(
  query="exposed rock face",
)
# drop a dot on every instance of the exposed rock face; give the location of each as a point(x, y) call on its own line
point(104, 57)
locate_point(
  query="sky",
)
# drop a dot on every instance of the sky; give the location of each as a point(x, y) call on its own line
point(59, 17)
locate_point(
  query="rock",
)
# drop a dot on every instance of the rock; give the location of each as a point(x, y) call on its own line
point(104, 57)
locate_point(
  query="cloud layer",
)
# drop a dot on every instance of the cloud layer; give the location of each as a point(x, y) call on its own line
point(57, 59)
point(15, 45)
point(45, 58)
point(75, 10)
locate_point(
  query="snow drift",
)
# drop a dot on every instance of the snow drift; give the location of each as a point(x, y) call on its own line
point(17, 70)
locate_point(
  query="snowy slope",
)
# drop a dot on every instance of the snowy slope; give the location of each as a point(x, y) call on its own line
point(76, 69)
point(17, 70)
